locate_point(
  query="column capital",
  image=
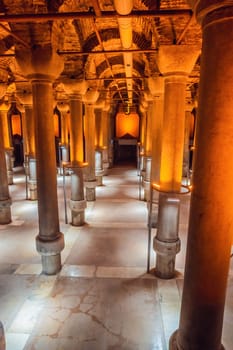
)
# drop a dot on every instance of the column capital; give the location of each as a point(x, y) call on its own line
point(99, 104)
point(91, 97)
point(4, 106)
point(75, 87)
point(63, 106)
point(202, 8)
point(40, 63)
point(3, 88)
point(24, 93)
point(106, 107)
point(177, 59)
point(156, 86)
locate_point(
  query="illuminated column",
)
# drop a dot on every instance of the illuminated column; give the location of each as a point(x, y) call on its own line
point(148, 149)
point(143, 111)
point(99, 171)
point(175, 63)
point(110, 123)
point(77, 201)
point(41, 73)
point(24, 95)
point(188, 119)
point(211, 221)
point(4, 107)
point(90, 182)
point(105, 139)
point(156, 86)
point(63, 107)
point(5, 200)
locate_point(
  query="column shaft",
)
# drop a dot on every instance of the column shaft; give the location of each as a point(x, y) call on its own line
point(30, 137)
point(50, 240)
point(5, 201)
point(211, 220)
point(4, 107)
point(157, 123)
point(77, 202)
point(76, 129)
point(90, 152)
point(173, 134)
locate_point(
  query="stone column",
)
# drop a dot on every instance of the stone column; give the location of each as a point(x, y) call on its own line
point(156, 86)
point(211, 221)
point(63, 107)
point(143, 111)
point(5, 200)
point(148, 149)
point(186, 157)
point(41, 72)
point(175, 63)
point(99, 170)
point(105, 139)
point(4, 107)
point(90, 182)
point(77, 201)
point(24, 95)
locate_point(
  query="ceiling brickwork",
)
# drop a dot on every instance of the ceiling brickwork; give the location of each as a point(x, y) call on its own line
point(85, 28)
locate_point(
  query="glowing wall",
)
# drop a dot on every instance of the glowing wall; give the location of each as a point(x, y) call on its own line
point(127, 124)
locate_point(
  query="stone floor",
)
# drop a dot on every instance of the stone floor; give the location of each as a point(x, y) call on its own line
point(102, 298)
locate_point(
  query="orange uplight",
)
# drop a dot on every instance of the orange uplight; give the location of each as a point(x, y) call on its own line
point(127, 124)
point(56, 125)
point(16, 125)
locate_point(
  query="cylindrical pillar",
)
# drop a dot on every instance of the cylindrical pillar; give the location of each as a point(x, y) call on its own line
point(99, 170)
point(4, 107)
point(63, 107)
point(175, 62)
point(5, 201)
point(147, 150)
point(156, 86)
point(41, 65)
point(50, 240)
point(211, 220)
point(24, 95)
point(77, 201)
point(105, 139)
point(186, 156)
point(90, 180)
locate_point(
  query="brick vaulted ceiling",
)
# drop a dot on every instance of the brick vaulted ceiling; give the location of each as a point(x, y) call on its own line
point(86, 34)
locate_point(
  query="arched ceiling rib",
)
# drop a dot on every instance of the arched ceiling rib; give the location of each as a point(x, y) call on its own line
point(87, 26)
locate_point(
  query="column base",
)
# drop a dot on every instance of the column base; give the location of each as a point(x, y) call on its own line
point(50, 254)
point(2, 337)
point(5, 211)
point(77, 212)
point(10, 177)
point(9, 164)
point(146, 186)
point(90, 194)
point(173, 343)
point(165, 258)
point(90, 190)
point(154, 216)
point(51, 264)
point(99, 180)
point(167, 242)
point(105, 168)
point(32, 185)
